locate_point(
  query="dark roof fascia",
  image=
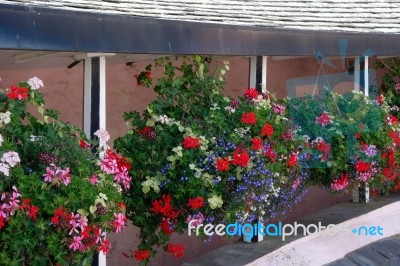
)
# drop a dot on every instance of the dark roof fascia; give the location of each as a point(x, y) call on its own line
point(27, 27)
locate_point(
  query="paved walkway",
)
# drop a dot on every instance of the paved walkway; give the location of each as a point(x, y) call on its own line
point(303, 250)
point(385, 252)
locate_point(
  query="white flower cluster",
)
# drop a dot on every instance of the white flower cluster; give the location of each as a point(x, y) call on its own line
point(5, 118)
point(35, 83)
point(8, 160)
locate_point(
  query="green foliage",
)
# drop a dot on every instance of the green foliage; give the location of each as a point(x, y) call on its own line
point(43, 143)
point(190, 104)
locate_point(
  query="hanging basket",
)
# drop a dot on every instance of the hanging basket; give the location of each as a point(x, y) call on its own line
point(360, 192)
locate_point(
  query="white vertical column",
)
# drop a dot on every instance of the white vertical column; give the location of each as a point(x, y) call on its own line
point(264, 74)
point(102, 105)
point(366, 76)
point(94, 110)
point(253, 72)
point(357, 73)
point(87, 96)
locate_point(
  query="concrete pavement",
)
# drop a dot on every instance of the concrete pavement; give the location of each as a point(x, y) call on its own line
point(315, 249)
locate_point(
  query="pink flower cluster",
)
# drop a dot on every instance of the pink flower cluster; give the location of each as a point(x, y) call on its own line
point(196, 218)
point(9, 204)
point(57, 175)
point(278, 108)
point(119, 222)
point(113, 164)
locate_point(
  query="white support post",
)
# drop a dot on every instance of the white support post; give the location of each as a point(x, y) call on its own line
point(253, 72)
point(357, 74)
point(366, 76)
point(94, 110)
point(264, 74)
point(102, 105)
point(87, 96)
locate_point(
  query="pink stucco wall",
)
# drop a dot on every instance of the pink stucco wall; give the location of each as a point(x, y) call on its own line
point(64, 91)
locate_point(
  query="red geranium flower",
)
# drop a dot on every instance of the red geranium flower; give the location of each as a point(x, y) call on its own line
point(249, 118)
point(222, 164)
point(240, 157)
point(196, 203)
point(251, 93)
point(325, 148)
point(340, 183)
point(267, 130)
point(380, 99)
point(392, 120)
point(256, 144)
point(2, 224)
point(176, 250)
point(191, 143)
point(83, 144)
point(16, 93)
point(362, 166)
point(105, 246)
point(141, 255)
point(324, 119)
point(270, 154)
point(164, 207)
point(166, 226)
point(292, 160)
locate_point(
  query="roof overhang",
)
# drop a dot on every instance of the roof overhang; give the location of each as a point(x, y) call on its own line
point(38, 28)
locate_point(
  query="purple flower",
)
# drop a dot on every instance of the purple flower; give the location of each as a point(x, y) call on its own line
point(370, 151)
point(397, 87)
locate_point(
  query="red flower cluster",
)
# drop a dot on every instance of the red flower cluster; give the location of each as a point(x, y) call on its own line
point(362, 166)
point(139, 78)
point(176, 250)
point(222, 164)
point(240, 157)
point(392, 120)
point(340, 183)
point(324, 119)
point(61, 218)
point(251, 93)
point(148, 133)
point(165, 226)
point(191, 143)
point(31, 210)
point(325, 148)
point(83, 144)
point(141, 255)
point(249, 118)
point(196, 203)
point(380, 99)
point(256, 144)
point(267, 130)
point(16, 93)
point(164, 207)
point(391, 171)
point(395, 136)
point(270, 154)
point(293, 159)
